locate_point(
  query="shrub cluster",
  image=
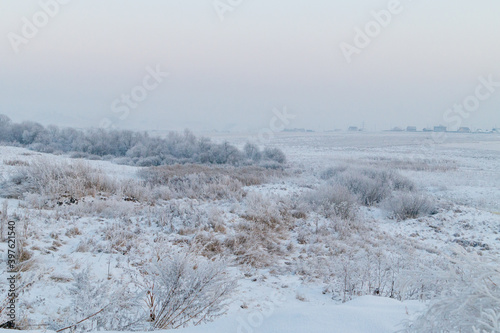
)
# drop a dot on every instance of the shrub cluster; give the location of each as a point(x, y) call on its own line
point(371, 186)
point(333, 200)
point(408, 205)
point(132, 148)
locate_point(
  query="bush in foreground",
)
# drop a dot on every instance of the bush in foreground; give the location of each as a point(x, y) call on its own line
point(185, 289)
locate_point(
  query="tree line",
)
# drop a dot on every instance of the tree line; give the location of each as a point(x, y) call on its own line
point(132, 147)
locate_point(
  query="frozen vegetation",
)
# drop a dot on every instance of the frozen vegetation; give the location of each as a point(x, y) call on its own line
point(132, 148)
point(341, 235)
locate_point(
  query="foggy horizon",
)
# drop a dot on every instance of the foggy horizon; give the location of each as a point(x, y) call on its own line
point(230, 66)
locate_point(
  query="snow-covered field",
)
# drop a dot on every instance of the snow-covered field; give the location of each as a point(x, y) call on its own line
point(365, 273)
point(469, 163)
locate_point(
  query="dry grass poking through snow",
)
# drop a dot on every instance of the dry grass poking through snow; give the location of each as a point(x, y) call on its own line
point(261, 235)
point(59, 181)
point(207, 182)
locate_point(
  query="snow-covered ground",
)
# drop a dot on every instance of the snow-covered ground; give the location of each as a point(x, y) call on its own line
point(364, 314)
point(299, 292)
point(469, 163)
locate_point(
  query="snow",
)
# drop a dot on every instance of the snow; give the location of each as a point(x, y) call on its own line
point(365, 314)
point(462, 175)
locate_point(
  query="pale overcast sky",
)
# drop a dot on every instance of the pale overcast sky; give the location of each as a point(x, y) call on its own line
point(265, 54)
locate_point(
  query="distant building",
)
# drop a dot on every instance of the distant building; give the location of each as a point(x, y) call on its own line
point(427, 129)
point(495, 130)
point(464, 130)
point(294, 130)
point(397, 129)
point(353, 129)
point(411, 129)
point(299, 130)
point(439, 128)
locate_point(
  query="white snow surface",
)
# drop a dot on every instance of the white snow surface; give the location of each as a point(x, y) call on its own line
point(465, 176)
point(364, 314)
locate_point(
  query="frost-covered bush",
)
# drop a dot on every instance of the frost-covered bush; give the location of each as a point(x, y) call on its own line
point(149, 161)
point(275, 155)
point(252, 152)
point(470, 300)
point(370, 185)
point(184, 289)
point(369, 190)
point(99, 305)
point(89, 297)
point(409, 205)
point(332, 172)
point(333, 200)
point(271, 165)
point(401, 183)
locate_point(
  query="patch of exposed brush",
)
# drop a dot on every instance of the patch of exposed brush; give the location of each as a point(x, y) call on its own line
point(207, 182)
